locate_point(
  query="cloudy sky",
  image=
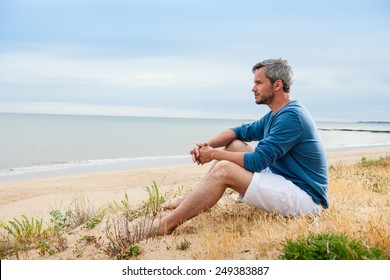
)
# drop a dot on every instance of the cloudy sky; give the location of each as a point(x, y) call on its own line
point(192, 58)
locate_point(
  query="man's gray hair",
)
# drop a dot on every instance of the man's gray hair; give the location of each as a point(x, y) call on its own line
point(276, 69)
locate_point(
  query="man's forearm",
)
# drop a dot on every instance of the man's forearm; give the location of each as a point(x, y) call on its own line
point(223, 139)
point(235, 157)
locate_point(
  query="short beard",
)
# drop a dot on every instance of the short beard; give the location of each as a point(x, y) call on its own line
point(266, 101)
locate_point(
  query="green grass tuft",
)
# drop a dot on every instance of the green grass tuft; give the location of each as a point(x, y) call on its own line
point(155, 198)
point(328, 246)
point(24, 231)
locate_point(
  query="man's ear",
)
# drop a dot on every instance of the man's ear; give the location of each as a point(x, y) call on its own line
point(278, 85)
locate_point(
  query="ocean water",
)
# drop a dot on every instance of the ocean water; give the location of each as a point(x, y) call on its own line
point(33, 144)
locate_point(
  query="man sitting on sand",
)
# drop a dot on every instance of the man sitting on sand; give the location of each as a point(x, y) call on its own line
point(286, 173)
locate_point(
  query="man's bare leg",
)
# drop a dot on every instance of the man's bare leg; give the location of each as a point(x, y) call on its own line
point(209, 191)
point(234, 146)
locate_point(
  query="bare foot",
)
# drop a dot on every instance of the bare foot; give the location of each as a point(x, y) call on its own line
point(157, 229)
point(173, 203)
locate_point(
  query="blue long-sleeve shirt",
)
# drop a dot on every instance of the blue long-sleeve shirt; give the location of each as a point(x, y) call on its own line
point(290, 146)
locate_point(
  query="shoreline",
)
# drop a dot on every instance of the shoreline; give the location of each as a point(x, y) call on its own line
point(121, 164)
point(38, 196)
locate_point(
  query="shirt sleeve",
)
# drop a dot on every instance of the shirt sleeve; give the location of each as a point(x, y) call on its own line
point(285, 133)
point(250, 132)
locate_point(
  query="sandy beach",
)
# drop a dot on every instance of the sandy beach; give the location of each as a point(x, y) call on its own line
point(224, 233)
point(37, 197)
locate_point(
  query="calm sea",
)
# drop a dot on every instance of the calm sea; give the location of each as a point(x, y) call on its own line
point(33, 144)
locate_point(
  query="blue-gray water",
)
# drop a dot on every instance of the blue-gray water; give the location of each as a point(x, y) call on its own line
point(53, 144)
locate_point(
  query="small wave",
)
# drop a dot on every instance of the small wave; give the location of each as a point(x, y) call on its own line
point(354, 130)
point(357, 146)
point(58, 166)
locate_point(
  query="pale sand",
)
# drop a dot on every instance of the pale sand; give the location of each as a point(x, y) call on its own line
point(37, 197)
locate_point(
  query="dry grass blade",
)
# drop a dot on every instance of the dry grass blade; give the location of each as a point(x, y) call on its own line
point(124, 236)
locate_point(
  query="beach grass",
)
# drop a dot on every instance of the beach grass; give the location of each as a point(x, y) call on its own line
point(355, 226)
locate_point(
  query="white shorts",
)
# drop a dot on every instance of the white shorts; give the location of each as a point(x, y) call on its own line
point(273, 193)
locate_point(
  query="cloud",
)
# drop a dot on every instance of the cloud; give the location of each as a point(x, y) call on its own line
point(161, 86)
point(193, 56)
point(174, 85)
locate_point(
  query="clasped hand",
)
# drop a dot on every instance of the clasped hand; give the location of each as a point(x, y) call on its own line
point(201, 154)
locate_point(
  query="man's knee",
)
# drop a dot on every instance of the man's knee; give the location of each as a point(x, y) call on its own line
point(228, 174)
point(238, 146)
point(221, 170)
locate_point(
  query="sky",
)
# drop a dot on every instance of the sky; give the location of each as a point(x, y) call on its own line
point(192, 58)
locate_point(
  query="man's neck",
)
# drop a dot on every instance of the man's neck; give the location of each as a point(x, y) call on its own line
point(280, 102)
